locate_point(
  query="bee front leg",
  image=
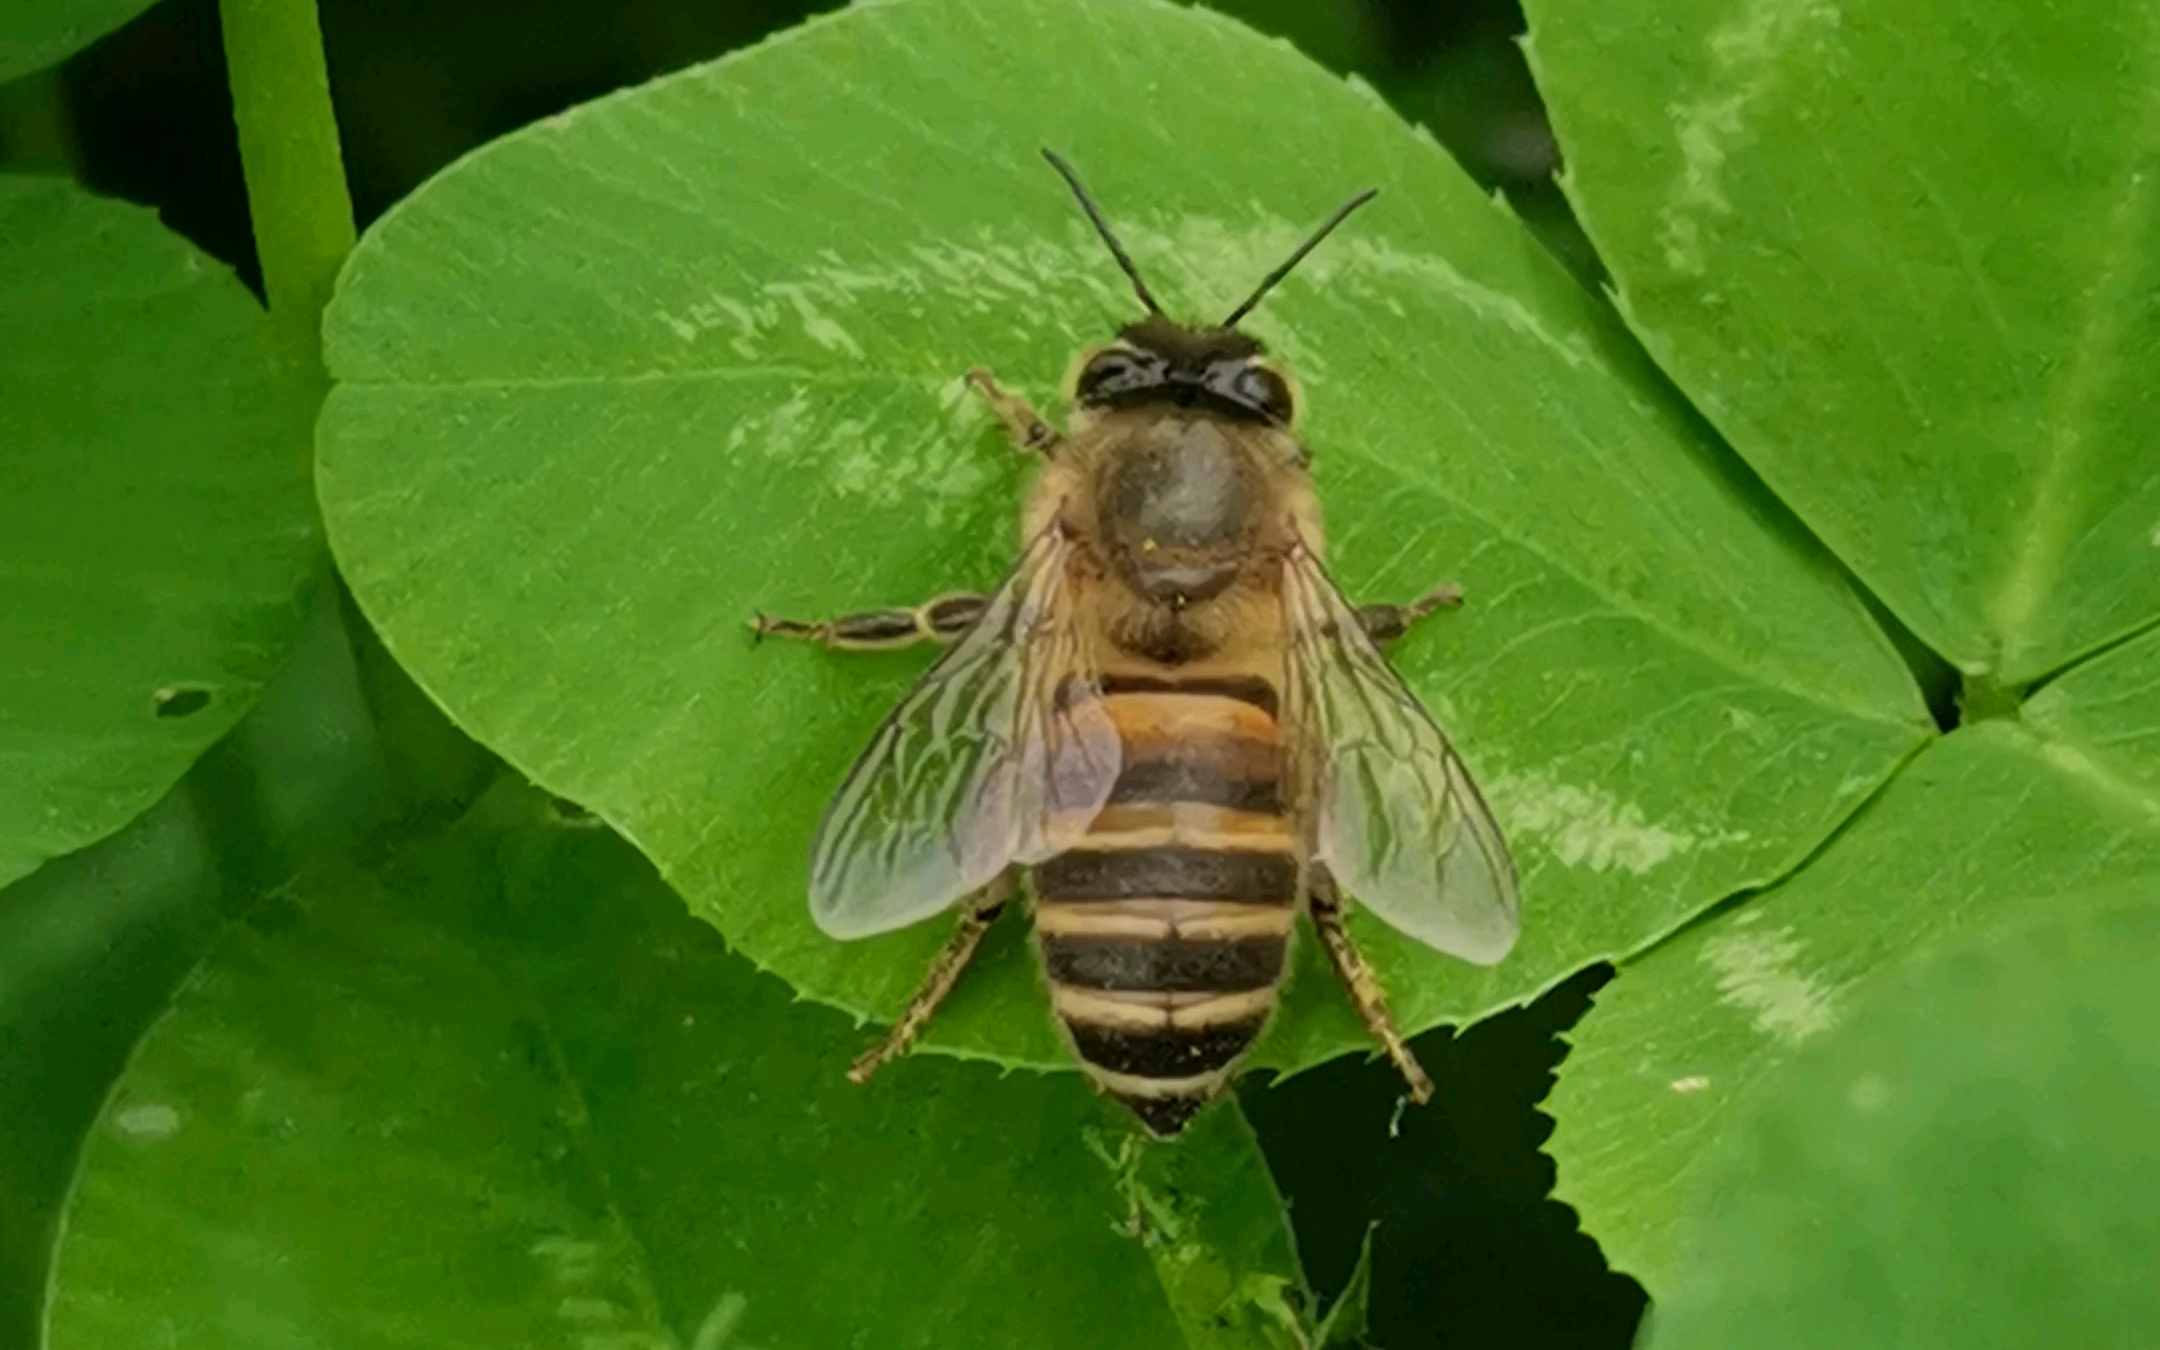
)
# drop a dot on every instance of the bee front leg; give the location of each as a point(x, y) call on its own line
point(1325, 904)
point(1385, 623)
point(975, 920)
point(943, 620)
point(1030, 430)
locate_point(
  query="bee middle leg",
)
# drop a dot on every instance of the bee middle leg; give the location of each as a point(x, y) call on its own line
point(1325, 904)
point(1384, 623)
point(943, 620)
point(980, 911)
point(1031, 432)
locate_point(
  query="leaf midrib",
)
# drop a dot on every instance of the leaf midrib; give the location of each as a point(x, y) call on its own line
point(2092, 369)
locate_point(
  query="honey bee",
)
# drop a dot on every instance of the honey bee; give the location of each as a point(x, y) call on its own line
point(1169, 723)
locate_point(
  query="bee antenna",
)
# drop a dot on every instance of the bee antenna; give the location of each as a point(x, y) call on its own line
point(1102, 227)
point(1267, 283)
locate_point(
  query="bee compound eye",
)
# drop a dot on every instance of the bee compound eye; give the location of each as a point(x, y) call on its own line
point(1109, 366)
point(1263, 389)
point(1116, 372)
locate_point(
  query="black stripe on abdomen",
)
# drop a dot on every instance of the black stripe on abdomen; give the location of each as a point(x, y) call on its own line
point(1177, 965)
point(1168, 873)
point(1164, 1052)
point(1244, 688)
point(1240, 788)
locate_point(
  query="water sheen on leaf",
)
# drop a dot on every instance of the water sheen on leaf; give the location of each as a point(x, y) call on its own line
point(1904, 257)
point(157, 527)
point(2001, 824)
point(615, 382)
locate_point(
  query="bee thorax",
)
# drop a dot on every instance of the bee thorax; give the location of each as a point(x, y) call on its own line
point(1177, 512)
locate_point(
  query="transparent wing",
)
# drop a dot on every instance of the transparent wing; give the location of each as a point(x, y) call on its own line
point(1000, 754)
point(1393, 813)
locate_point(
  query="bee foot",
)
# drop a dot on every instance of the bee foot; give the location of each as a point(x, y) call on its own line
point(1448, 596)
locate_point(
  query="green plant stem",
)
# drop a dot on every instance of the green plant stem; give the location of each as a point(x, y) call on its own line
point(296, 190)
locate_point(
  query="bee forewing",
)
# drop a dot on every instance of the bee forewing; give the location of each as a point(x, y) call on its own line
point(988, 761)
point(1396, 818)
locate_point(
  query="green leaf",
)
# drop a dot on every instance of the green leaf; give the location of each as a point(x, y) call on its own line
point(1207, 1211)
point(1904, 257)
point(1999, 824)
point(157, 527)
point(89, 947)
point(618, 380)
point(39, 33)
point(498, 1089)
point(1967, 1161)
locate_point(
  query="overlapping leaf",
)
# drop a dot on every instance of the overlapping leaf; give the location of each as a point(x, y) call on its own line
point(157, 532)
point(2001, 824)
point(500, 1090)
point(39, 33)
point(1904, 257)
point(1964, 1162)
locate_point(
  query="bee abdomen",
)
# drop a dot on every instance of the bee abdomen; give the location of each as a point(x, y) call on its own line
point(1163, 1056)
point(1162, 997)
point(1165, 932)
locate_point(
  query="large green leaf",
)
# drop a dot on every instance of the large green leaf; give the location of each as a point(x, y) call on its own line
point(1999, 824)
point(39, 33)
point(618, 380)
point(92, 944)
point(1968, 1161)
point(157, 537)
point(1904, 257)
point(89, 947)
point(500, 1090)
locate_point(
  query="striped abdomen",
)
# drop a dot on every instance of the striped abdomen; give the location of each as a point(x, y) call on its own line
point(1164, 931)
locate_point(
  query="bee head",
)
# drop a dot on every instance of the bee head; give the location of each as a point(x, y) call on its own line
point(1158, 362)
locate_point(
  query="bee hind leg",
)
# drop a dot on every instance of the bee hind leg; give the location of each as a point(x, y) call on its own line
point(943, 620)
point(1384, 623)
point(1363, 986)
point(975, 920)
point(1031, 432)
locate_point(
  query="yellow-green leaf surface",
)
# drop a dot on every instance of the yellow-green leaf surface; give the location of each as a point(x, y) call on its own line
point(612, 383)
point(494, 1088)
point(1905, 257)
point(157, 536)
point(39, 33)
point(2000, 824)
point(1966, 1161)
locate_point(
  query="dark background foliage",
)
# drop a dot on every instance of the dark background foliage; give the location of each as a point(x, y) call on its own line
point(1469, 1250)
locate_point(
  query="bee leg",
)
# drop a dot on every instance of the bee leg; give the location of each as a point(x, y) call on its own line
point(943, 620)
point(945, 970)
point(1358, 979)
point(1030, 430)
point(1385, 623)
